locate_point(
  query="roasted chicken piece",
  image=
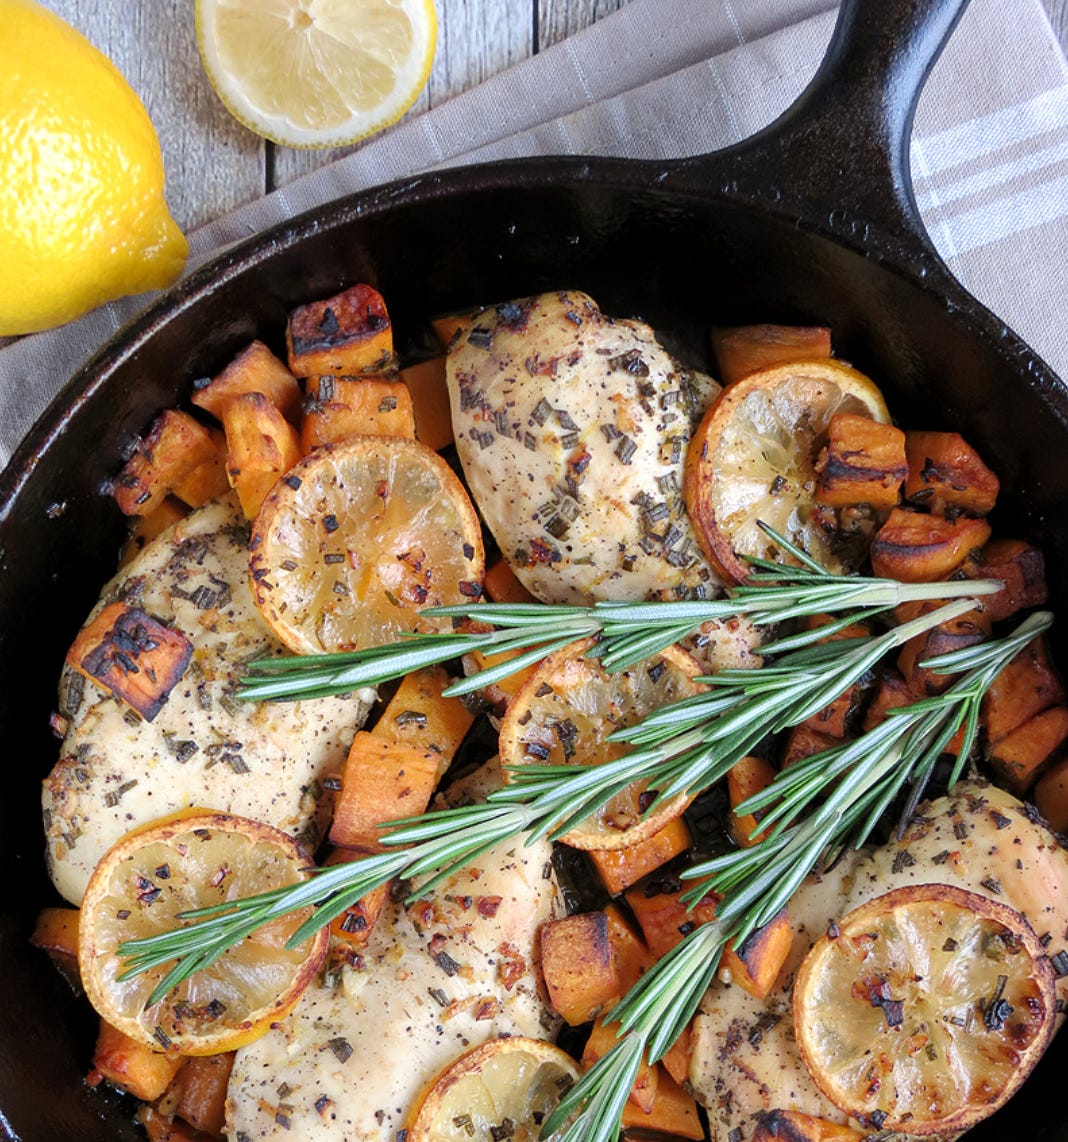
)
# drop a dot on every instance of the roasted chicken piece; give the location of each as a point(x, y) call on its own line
point(452, 971)
point(195, 744)
point(745, 1060)
point(572, 428)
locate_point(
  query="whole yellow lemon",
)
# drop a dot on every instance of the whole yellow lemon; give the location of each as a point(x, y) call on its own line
point(82, 214)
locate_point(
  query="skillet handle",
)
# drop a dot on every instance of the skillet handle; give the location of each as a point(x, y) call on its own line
point(839, 156)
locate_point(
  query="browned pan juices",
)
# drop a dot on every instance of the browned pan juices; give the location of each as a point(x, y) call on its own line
point(812, 222)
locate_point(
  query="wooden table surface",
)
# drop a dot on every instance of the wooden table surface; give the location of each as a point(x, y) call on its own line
point(214, 164)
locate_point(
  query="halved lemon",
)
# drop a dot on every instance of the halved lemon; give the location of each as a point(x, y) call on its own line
point(504, 1089)
point(356, 539)
point(753, 458)
point(564, 714)
point(184, 862)
point(924, 1009)
point(317, 73)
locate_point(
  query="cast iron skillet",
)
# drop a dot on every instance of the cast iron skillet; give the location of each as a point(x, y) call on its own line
point(813, 220)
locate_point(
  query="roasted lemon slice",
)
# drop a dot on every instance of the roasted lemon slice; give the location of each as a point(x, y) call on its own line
point(504, 1089)
point(753, 458)
point(359, 537)
point(181, 863)
point(564, 714)
point(923, 1010)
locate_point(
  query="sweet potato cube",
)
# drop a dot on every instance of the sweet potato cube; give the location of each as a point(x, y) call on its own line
point(662, 916)
point(620, 868)
point(1022, 755)
point(347, 334)
point(754, 965)
point(261, 447)
point(430, 402)
point(1022, 570)
point(382, 781)
point(803, 741)
point(632, 958)
point(208, 480)
point(448, 326)
point(498, 694)
point(578, 966)
point(254, 370)
point(130, 1065)
point(918, 548)
point(1025, 687)
point(419, 715)
point(792, 1126)
point(355, 924)
point(603, 1037)
point(864, 463)
point(743, 349)
point(201, 1092)
point(133, 656)
point(502, 586)
point(344, 407)
point(176, 444)
point(677, 1060)
point(964, 631)
point(1051, 796)
point(945, 471)
point(56, 931)
point(146, 528)
point(674, 1111)
point(746, 778)
point(891, 691)
point(159, 1128)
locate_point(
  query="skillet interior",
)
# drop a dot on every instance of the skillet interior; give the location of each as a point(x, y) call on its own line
point(684, 261)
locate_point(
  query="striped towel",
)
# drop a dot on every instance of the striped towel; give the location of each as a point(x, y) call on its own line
point(666, 78)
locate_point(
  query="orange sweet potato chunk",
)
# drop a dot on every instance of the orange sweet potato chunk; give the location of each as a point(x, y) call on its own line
point(864, 463)
point(632, 958)
point(945, 471)
point(956, 634)
point(674, 1111)
point(742, 349)
point(420, 716)
point(261, 447)
point(746, 778)
point(1025, 687)
point(254, 370)
point(603, 1038)
point(130, 1065)
point(344, 407)
point(620, 868)
point(662, 916)
point(354, 926)
point(754, 965)
point(502, 586)
point(918, 548)
point(1051, 796)
point(146, 528)
point(133, 656)
point(578, 966)
point(175, 446)
point(1021, 568)
point(208, 480)
point(430, 402)
point(792, 1126)
point(803, 741)
point(347, 334)
point(1022, 755)
point(201, 1089)
point(56, 931)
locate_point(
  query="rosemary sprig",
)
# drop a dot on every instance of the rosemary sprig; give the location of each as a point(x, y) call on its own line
point(625, 632)
point(815, 808)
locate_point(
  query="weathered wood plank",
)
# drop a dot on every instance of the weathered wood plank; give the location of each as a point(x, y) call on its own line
point(213, 164)
point(558, 19)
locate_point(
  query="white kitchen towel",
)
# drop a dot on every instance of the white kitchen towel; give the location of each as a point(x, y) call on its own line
point(666, 78)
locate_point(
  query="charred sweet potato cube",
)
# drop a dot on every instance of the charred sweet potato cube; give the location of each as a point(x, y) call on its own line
point(742, 349)
point(207, 481)
point(133, 656)
point(792, 1126)
point(1022, 570)
point(339, 408)
point(261, 447)
point(674, 1111)
point(863, 463)
point(430, 402)
point(201, 1092)
point(1022, 755)
point(956, 634)
point(677, 1060)
point(834, 719)
point(254, 370)
point(603, 1037)
point(347, 334)
point(382, 781)
point(946, 472)
point(803, 741)
point(502, 586)
point(747, 777)
point(620, 868)
point(632, 958)
point(891, 691)
point(662, 916)
point(176, 444)
point(1051, 796)
point(1025, 687)
point(355, 924)
point(918, 548)
point(754, 964)
point(130, 1065)
point(159, 1128)
point(419, 715)
point(578, 966)
point(146, 528)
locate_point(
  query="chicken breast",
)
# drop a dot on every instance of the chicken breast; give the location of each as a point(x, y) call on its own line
point(203, 747)
point(451, 972)
point(745, 1061)
point(572, 429)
